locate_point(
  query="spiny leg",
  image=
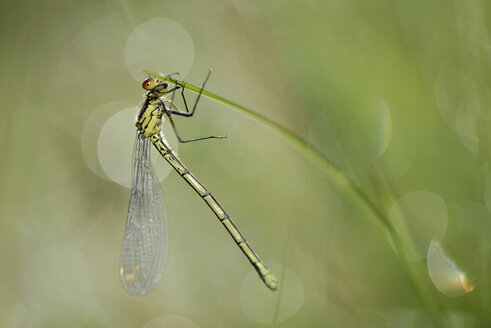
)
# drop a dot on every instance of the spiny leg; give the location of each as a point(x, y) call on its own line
point(181, 140)
point(189, 114)
point(171, 103)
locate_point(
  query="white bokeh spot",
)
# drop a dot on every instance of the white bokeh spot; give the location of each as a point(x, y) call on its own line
point(447, 277)
point(115, 147)
point(159, 45)
point(418, 218)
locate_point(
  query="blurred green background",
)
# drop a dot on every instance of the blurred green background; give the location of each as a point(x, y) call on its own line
point(395, 94)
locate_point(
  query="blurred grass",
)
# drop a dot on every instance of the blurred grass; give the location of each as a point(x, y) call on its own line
point(321, 69)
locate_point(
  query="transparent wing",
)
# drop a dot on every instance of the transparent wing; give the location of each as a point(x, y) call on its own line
point(145, 241)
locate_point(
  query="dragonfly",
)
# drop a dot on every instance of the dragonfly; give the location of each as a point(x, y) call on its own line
point(145, 240)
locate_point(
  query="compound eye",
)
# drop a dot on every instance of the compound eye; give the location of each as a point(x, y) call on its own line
point(149, 84)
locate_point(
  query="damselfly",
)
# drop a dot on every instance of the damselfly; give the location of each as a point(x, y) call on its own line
point(145, 241)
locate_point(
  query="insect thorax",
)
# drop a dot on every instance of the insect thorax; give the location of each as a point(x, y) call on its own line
point(149, 118)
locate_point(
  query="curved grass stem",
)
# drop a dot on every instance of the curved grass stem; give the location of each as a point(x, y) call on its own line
point(336, 176)
point(312, 154)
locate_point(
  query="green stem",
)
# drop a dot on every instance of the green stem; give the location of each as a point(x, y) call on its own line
point(312, 154)
point(336, 176)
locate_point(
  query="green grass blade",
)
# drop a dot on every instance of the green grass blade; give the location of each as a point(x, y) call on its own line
point(301, 145)
point(415, 271)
